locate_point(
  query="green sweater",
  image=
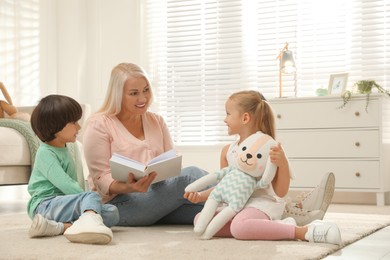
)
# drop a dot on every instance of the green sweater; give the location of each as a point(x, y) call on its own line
point(54, 174)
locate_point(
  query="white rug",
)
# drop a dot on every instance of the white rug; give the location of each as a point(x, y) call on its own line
point(176, 242)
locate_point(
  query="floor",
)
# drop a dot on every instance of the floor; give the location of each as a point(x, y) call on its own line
point(373, 247)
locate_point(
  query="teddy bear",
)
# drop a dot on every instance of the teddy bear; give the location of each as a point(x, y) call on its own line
point(235, 185)
point(7, 107)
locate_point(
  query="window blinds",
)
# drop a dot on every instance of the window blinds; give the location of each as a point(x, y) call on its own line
point(199, 52)
point(19, 48)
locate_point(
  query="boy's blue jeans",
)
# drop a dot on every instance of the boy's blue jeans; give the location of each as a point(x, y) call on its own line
point(162, 204)
point(68, 208)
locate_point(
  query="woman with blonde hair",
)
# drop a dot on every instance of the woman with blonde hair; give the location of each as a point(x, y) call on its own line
point(124, 125)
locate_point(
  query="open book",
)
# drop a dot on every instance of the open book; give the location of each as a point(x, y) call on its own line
point(166, 165)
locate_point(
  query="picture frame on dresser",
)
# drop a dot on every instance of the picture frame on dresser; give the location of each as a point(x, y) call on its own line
point(337, 83)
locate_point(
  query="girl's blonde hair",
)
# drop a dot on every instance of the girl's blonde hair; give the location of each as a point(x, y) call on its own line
point(253, 102)
point(119, 75)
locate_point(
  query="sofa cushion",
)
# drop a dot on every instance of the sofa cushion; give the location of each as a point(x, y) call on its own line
point(14, 149)
point(11, 175)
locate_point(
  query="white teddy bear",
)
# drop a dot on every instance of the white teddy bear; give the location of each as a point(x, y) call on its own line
point(235, 185)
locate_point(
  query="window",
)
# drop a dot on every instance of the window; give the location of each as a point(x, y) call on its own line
point(19, 49)
point(199, 52)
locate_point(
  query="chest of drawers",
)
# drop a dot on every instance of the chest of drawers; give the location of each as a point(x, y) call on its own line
point(353, 143)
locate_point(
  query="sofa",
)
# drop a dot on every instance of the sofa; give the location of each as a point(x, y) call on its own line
point(15, 155)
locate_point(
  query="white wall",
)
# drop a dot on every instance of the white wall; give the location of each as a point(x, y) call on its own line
point(113, 37)
point(205, 157)
point(48, 48)
point(82, 40)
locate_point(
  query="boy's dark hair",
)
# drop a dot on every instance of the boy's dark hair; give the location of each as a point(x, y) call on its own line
point(52, 114)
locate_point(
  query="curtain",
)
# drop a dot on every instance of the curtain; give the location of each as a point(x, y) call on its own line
point(19, 49)
point(199, 52)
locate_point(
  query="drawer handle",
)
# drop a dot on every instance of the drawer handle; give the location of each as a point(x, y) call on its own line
point(357, 174)
point(278, 116)
point(357, 113)
point(357, 144)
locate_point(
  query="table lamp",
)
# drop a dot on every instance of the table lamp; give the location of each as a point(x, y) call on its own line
point(287, 64)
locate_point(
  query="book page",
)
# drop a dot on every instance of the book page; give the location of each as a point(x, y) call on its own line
point(165, 169)
point(164, 156)
point(128, 162)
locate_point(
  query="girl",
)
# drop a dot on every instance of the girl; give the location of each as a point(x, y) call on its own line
point(58, 204)
point(246, 113)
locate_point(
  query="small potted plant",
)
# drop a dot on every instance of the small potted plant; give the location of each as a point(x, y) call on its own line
point(362, 87)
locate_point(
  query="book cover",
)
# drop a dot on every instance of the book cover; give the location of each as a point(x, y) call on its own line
point(166, 165)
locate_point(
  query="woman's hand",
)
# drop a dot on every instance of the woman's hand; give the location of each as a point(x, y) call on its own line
point(142, 185)
point(132, 185)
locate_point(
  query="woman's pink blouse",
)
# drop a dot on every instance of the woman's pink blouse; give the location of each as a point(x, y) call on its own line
point(105, 135)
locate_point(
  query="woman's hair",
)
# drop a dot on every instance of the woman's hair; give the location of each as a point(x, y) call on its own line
point(52, 114)
point(253, 102)
point(119, 75)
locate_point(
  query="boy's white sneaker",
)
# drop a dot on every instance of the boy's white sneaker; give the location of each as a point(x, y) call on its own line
point(89, 229)
point(42, 227)
point(323, 232)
